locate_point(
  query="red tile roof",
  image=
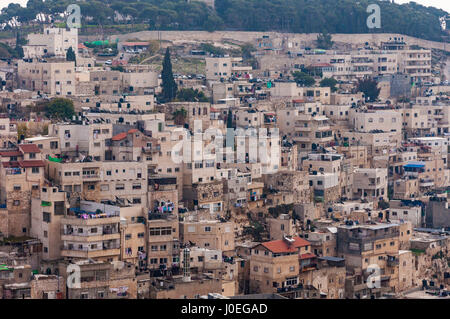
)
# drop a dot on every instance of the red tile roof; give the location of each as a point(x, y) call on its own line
point(119, 136)
point(281, 246)
point(26, 164)
point(10, 153)
point(133, 130)
point(307, 256)
point(10, 164)
point(119, 62)
point(29, 148)
point(82, 46)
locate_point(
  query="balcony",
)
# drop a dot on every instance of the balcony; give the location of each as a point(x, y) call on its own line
point(85, 252)
point(13, 171)
point(426, 182)
point(392, 261)
point(151, 149)
point(91, 176)
point(68, 234)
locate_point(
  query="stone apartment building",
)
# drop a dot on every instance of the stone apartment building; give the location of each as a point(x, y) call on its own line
point(312, 132)
point(46, 213)
point(205, 195)
point(287, 183)
point(281, 226)
point(52, 42)
point(366, 246)
point(101, 181)
point(8, 131)
point(277, 264)
point(211, 234)
point(294, 91)
point(163, 241)
point(54, 77)
point(91, 231)
point(370, 183)
point(225, 67)
point(22, 175)
point(100, 280)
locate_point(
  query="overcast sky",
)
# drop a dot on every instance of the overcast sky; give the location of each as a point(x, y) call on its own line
point(442, 4)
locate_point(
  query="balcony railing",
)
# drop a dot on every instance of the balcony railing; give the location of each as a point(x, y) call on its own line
point(104, 232)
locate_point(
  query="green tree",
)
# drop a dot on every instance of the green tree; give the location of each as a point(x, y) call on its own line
point(370, 89)
point(19, 48)
point(191, 95)
point(208, 47)
point(329, 82)
point(153, 47)
point(179, 116)
point(169, 87)
point(22, 131)
point(230, 119)
point(60, 108)
point(70, 55)
point(303, 79)
point(324, 41)
point(247, 49)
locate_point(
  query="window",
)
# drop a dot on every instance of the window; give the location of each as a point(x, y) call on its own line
point(35, 170)
point(291, 281)
point(46, 217)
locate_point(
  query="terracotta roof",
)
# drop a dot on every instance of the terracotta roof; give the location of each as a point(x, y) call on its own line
point(298, 101)
point(37, 163)
point(82, 46)
point(10, 153)
point(10, 164)
point(133, 130)
point(307, 256)
point(119, 62)
point(119, 136)
point(29, 148)
point(281, 246)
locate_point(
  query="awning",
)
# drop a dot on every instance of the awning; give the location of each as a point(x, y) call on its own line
point(414, 165)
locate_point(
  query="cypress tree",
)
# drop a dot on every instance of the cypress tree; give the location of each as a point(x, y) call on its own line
point(70, 55)
point(230, 119)
point(169, 87)
point(19, 49)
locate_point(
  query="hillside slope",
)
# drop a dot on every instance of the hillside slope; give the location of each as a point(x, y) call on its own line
point(296, 16)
